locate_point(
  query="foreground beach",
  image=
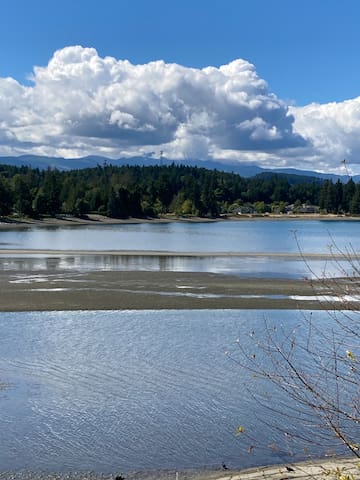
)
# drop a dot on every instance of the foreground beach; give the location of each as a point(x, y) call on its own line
point(331, 469)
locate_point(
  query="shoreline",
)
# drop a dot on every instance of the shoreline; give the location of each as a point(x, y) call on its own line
point(169, 253)
point(95, 219)
point(306, 470)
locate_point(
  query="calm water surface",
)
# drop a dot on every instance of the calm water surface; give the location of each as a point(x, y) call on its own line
point(226, 236)
point(260, 267)
point(123, 391)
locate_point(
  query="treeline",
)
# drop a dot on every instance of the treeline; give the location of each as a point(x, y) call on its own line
point(139, 191)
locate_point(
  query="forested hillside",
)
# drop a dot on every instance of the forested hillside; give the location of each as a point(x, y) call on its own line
point(139, 191)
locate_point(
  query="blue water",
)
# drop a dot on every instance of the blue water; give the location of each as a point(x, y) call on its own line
point(226, 236)
point(135, 390)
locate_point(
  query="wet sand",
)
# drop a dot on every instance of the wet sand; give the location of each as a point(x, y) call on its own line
point(127, 290)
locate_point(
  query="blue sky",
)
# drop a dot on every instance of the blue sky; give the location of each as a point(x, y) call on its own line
point(306, 52)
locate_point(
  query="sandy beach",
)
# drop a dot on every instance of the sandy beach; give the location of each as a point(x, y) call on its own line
point(330, 469)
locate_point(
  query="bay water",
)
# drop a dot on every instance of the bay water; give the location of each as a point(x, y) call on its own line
point(134, 390)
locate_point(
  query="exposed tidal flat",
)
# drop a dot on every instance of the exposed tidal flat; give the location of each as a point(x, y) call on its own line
point(119, 290)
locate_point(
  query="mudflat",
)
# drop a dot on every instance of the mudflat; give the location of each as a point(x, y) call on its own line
point(126, 290)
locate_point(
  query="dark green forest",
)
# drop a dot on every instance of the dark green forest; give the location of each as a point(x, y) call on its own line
point(149, 191)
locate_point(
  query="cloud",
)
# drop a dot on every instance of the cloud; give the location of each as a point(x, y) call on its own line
point(334, 132)
point(83, 104)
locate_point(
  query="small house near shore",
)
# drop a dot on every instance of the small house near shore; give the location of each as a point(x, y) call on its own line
point(304, 208)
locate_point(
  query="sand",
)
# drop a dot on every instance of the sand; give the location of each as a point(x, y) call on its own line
point(324, 469)
point(309, 470)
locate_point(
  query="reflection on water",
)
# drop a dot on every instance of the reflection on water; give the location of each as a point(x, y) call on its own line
point(121, 391)
point(260, 267)
point(252, 237)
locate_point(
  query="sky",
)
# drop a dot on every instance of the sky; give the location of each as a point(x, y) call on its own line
point(274, 83)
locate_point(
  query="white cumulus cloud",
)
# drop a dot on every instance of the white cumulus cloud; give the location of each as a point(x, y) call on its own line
point(334, 132)
point(88, 104)
point(81, 104)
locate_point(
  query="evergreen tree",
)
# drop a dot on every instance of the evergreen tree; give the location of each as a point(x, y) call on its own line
point(5, 197)
point(22, 195)
point(134, 191)
point(355, 201)
point(51, 192)
point(348, 193)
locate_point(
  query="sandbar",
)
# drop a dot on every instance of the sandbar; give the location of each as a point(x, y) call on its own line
point(138, 290)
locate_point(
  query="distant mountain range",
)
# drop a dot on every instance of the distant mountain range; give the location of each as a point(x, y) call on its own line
point(245, 170)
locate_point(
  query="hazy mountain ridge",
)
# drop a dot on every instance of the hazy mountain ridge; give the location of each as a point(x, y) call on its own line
point(245, 170)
